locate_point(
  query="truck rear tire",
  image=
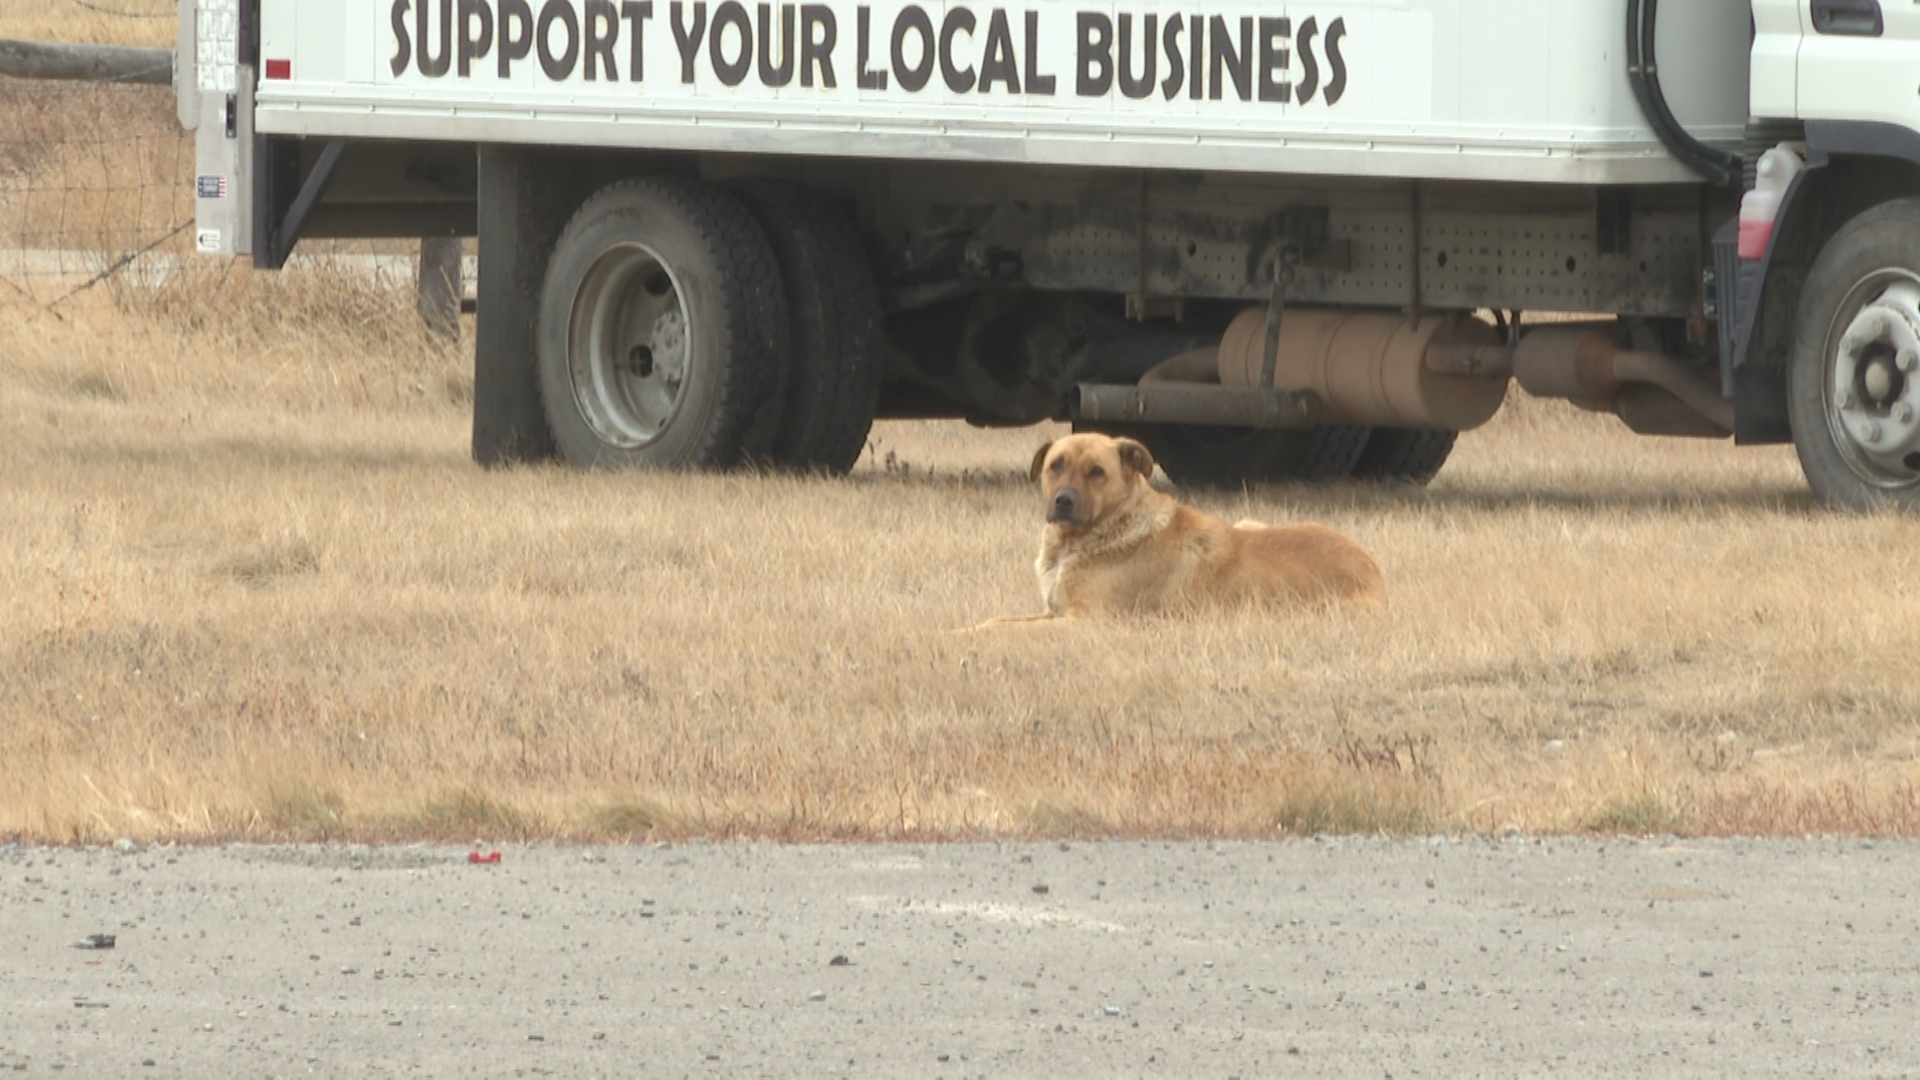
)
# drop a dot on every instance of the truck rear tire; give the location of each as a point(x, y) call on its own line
point(1404, 455)
point(1207, 456)
point(833, 381)
point(662, 331)
point(1853, 390)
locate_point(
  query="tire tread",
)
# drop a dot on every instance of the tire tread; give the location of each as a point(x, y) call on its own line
point(834, 382)
point(1404, 455)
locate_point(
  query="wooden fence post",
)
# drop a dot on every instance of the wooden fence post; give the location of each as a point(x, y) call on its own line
point(86, 63)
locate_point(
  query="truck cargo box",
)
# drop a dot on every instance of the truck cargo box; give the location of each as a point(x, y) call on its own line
point(1520, 90)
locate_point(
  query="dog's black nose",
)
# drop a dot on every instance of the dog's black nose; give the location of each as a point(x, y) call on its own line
point(1061, 509)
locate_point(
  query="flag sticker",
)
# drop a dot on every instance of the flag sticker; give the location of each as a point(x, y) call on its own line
point(211, 187)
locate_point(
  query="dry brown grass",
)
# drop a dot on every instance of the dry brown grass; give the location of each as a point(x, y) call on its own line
point(250, 585)
point(149, 23)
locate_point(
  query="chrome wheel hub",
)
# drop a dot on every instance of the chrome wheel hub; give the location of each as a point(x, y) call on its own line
point(629, 346)
point(1873, 385)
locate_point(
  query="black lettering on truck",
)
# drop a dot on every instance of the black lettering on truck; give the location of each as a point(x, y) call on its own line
point(1175, 70)
point(864, 77)
point(1117, 50)
point(1309, 67)
point(998, 65)
point(602, 24)
point(1310, 70)
point(1196, 51)
point(1093, 70)
point(514, 46)
point(1236, 60)
point(730, 14)
point(1337, 82)
point(1274, 60)
point(1036, 82)
point(636, 13)
point(474, 44)
point(404, 54)
point(958, 79)
point(556, 66)
point(912, 18)
point(686, 36)
point(1142, 85)
point(817, 36)
point(431, 65)
point(771, 75)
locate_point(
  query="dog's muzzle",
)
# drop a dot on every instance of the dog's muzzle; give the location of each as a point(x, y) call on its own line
point(1061, 510)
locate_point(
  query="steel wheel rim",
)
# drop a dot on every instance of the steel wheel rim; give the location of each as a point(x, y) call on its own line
point(629, 346)
point(1871, 389)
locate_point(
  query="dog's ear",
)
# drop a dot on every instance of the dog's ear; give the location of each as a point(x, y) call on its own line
point(1134, 456)
point(1039, 459)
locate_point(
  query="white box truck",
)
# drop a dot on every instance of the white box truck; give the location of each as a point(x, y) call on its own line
point(1280, 239)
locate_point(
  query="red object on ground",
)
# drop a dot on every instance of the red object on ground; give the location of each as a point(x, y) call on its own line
point(489, 857)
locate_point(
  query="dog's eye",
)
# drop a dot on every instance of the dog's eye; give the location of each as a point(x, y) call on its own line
point(1095, 472)
point(1057, 466)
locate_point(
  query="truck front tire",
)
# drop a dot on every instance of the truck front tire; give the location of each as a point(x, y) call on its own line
point(1853, 391)
point(662, 331)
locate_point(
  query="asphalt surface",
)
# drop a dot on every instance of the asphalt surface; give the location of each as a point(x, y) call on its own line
point(1351, 958)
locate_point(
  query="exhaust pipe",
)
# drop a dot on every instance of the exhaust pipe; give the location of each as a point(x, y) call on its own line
point(1331, 366)
point(1372, 368)
point(1589, 367)
point(1166, 402)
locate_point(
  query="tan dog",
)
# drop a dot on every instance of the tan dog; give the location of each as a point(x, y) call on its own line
point(1115, 545)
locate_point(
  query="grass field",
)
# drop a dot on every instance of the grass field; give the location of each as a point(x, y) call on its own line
point(251, 585)
point(147, 23)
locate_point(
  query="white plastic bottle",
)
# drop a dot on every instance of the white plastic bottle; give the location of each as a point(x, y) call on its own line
point(1758, 207)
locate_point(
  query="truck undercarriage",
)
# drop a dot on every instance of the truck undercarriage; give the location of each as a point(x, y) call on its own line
point(752, 270)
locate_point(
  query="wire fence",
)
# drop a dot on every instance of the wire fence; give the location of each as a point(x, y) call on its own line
point(95, 181)
point(97, 174)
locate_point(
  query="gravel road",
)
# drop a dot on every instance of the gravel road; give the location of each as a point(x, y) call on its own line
point(1359, 958)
